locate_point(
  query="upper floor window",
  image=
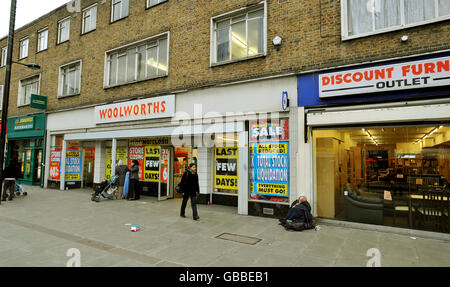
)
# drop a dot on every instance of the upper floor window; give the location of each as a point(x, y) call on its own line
point(3, 56)
point(23, 53)
point(141, 61)
point(120, 9)
point(42, 40)
point(154, 2)
point(89, 19)
point(367, 17)
point(239, 36)
point(1, 96)
point(63, 30)
point(70, 79)
point(26, 88)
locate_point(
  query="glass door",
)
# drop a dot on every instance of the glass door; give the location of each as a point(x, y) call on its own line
point(37, 169)
point(166, 172)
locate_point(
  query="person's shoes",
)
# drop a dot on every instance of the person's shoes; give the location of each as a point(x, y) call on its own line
point(196, 218)
point(3, 199)
point(184, 216)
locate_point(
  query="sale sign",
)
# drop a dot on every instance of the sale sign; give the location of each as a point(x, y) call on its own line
point(55, 161)
point(121, 154)
point(137, 153)
point(165, 155)
point(270, 168)
point(73, 165)
point(151, 172)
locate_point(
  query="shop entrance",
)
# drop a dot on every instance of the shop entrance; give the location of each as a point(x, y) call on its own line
point(182, 157)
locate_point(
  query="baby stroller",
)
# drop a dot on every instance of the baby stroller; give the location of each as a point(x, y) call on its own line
point(19, 190)
point(107, 189)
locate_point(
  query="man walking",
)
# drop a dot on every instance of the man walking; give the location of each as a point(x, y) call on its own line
point(190, 189)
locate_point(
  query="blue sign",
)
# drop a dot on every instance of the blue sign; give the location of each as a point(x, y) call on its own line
point(73, 165)
point(270, 168)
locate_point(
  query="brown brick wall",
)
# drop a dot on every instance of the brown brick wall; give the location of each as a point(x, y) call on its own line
point(310, 30)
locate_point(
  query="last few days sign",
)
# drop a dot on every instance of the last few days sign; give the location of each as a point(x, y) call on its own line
point(403, 76)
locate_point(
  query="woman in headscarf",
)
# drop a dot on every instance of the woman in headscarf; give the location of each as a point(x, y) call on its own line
point(121, 171)
point(134, 193)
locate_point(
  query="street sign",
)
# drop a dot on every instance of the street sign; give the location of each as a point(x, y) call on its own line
point(38, 102)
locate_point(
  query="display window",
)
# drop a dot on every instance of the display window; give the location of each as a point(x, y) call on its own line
point(393, 175)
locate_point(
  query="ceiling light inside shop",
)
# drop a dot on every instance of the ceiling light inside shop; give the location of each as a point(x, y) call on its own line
point(370, 136)
point(428, 134)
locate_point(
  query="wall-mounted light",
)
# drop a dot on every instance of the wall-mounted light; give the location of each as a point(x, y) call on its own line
point(405, 38)
point(277, 42)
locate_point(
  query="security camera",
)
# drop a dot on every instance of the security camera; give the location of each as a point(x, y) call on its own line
point(277, 41)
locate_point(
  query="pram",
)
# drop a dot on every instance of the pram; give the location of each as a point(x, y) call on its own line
point(107, 189)
point(19, 190)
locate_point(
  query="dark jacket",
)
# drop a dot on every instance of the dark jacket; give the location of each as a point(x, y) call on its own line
point(134, 172)
point(12, 170)
point(189, 183)
point(121, 171)
point(299, 213)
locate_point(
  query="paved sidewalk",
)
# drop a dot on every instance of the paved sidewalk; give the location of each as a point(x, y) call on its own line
point(39, 229)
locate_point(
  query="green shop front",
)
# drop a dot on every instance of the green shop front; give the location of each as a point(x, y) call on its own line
point(25, 143)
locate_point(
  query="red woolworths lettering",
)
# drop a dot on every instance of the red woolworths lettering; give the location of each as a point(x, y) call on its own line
point(103, 114)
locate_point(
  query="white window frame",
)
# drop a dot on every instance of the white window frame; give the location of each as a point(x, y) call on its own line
point(4, 56)
point(67, 19)
point(2, 90)
point(403, 25)
point(40, 32)
point(61, 78)
point(231, 14)
point(83, 19)
point(121, 10)
point(119, 50)
point(24, 48)
point(159, 2)
point(20, 90)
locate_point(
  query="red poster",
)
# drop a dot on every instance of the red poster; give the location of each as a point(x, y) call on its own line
point(137, 153)
point(55, 159)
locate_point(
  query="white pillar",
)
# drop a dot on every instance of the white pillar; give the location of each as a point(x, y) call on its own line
point(113, 156)
point(49, 144)
point(243, 174)
point(62, 168)
point(304, 158)
point(294, 138)
point(204, 170)
point(99, 164)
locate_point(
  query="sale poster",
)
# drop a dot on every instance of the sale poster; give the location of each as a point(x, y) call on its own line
point(73, 165)
point(55, 161)
point(137, 153)
point(121, 154)
point(151, 171)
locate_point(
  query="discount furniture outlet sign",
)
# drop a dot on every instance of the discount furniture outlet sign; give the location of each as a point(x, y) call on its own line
point(403, 76)
point(151, 108)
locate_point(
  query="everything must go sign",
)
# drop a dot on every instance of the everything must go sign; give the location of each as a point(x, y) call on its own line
point(151, 108)
point(403, 76)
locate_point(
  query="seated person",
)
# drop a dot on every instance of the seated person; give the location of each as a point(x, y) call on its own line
point(300, 211)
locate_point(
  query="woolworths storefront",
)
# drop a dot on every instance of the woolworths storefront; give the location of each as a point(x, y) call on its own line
point(25, 137)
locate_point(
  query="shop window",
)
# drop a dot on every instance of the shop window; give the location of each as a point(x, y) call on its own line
point(366, 17)
point(269, 161)
point(239, 36)
point(393, 176)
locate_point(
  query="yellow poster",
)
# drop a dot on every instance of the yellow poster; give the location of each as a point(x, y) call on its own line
point(272, 189)
point(271, 148)
point(121, 154)
point(151, 170)
point(226, 169)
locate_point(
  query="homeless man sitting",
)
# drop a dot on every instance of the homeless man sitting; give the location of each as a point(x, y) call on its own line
point(299, 216)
